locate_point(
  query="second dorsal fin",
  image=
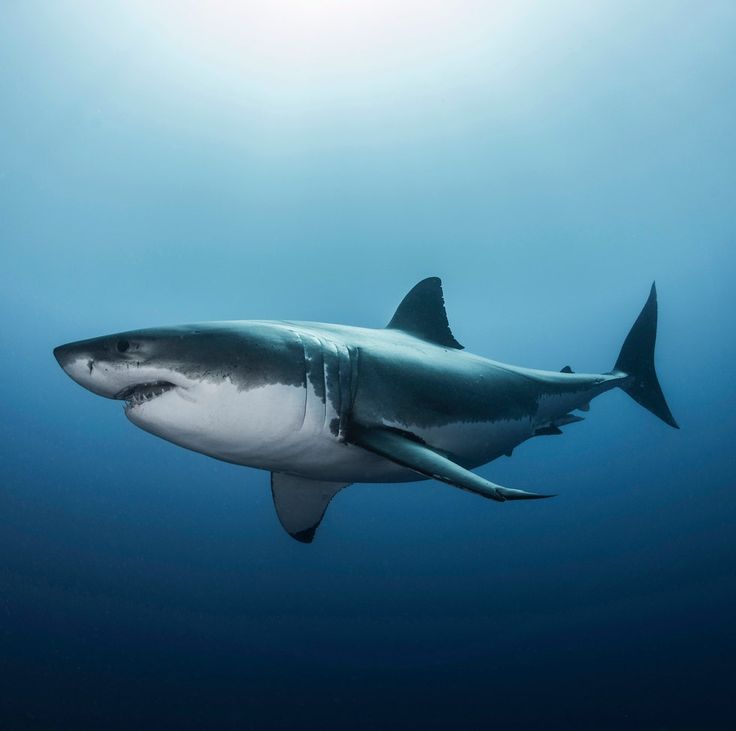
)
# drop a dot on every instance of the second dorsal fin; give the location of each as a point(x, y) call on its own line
point(422, 314)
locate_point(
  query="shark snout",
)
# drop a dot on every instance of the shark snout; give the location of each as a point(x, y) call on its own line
point(65, 354)
point(115, 367)
point(78, 361)
point(71, 356)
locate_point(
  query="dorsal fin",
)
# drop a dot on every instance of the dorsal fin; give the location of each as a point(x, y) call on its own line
point(422, 314)
point(566, 369)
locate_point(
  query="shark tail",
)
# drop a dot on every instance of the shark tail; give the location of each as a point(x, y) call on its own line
point(636, 362)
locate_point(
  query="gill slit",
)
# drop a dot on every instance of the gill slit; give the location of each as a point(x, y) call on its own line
point(305, 362)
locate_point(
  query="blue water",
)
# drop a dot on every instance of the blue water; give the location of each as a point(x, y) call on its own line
point(173, 162)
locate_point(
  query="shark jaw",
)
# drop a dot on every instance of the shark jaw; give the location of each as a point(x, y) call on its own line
point(141, 393)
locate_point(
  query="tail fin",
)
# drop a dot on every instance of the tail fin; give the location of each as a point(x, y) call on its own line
point(636, 360)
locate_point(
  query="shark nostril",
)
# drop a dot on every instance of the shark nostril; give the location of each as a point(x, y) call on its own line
point(90, 365)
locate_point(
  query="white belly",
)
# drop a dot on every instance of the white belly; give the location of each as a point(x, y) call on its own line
point(254, 427)
point(291, 429)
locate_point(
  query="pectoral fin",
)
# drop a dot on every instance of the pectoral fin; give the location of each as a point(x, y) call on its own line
point(419, 457)
point(300, 503)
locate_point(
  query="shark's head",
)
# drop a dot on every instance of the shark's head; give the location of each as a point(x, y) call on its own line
point(201, 386)
point(135, 367)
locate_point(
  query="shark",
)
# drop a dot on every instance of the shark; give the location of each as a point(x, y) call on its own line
point(322, 406)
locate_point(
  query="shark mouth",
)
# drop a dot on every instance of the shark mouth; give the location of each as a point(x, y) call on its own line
point(141, 393)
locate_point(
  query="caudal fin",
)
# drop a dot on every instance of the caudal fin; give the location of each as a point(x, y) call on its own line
point(636, 360)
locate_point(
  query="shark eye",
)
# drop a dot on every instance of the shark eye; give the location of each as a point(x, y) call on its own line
point(122, 346)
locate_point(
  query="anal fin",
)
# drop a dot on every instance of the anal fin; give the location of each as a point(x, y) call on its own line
point(553, 427)
point(551, 430)
point(301, 503)
point(568, 419)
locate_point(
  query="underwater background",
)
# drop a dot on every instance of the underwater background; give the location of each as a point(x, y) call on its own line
point(171, 162)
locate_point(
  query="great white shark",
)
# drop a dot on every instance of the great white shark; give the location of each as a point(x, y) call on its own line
point(322, 406)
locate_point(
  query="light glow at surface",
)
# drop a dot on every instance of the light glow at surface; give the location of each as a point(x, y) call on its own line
point(292, 72)
point(293, 39)
point(294, 52)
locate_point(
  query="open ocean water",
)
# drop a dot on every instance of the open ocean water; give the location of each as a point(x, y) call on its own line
point(172, 162)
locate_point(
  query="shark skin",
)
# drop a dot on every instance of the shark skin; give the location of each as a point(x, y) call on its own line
point(322, 406)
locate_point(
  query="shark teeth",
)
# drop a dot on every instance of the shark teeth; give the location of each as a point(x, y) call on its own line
point(142, 392)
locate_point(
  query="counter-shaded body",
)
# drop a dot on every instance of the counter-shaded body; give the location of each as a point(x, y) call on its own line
point(464, 406)
point(322, 406)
